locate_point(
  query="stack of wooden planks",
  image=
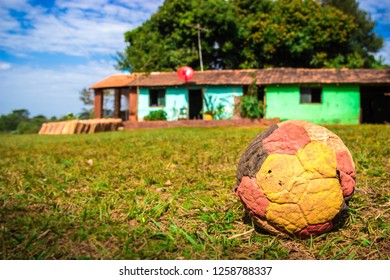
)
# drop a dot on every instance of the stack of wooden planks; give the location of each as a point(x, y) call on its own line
point(80, 126)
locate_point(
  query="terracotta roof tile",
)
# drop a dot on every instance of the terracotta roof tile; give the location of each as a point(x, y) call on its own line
point(117, 80)
point(232, 77)
point(245, 77)
point(323, 76)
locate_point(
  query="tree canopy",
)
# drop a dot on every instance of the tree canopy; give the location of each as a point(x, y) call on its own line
point(252, 34)
point(363, 42)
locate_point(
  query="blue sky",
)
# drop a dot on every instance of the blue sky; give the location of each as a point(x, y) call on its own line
point(51, 50)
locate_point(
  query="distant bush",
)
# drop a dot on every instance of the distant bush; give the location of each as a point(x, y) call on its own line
point(31, 126)
point(11, 121)
point(19, 122)
point(159, 115)
point(251, 107)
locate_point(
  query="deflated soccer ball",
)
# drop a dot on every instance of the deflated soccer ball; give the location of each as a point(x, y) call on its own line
point(295, 179)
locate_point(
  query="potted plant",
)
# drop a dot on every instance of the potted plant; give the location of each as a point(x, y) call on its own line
point(212, 111)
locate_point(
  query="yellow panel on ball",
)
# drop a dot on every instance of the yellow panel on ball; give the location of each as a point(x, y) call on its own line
point(322, 200)
point(286, 216)
point(319, 160)
point(278, 178)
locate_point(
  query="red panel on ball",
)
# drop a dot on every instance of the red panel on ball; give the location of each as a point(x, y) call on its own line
point(315, 230)
point(346, 168)
point(287, 139)
point(252, 196)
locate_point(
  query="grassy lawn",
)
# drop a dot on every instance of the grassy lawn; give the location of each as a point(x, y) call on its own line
point(168, 194)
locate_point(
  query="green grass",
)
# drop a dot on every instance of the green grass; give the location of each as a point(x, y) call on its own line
point(168, 194)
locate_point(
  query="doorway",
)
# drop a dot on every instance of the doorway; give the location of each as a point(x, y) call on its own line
point(375, 104)
point(195, 104)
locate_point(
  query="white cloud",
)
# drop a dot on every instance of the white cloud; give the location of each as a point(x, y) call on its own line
point(379, 10)
point(51, 92)
point(87, 28)
point(4, 66)
point(384, 53)
point(7, 22)
point(81, 28)
point(15, 4)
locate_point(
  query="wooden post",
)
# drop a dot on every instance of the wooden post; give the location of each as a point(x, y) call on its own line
point(98, 103)
point(117, 103)
point(133, 104)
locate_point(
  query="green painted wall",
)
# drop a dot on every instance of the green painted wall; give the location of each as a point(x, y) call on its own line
point(177, 98)
point(340, 104)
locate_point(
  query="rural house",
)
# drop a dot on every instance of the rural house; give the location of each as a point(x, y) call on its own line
point(323, 96)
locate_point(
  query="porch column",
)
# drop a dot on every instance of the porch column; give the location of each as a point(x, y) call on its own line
point(98, 103)
point(133, 104)
point(117, 102)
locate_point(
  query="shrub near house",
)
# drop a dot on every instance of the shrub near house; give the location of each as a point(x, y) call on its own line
point(159, 115)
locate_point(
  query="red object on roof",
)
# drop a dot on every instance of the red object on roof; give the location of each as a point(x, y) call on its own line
point(185, 73)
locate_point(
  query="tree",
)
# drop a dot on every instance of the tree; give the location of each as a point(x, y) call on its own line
point(252, 34)
point(11, 121)
point(87, 99)
point(363, 41)
point(252, 7)
point(297, 34)
point(86, 96)
point(18, 121)
point(170, 38)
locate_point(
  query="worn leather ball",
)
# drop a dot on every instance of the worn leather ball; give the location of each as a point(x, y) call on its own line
point(295, 179)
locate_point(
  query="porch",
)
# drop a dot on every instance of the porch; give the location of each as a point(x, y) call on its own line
point(129, 94)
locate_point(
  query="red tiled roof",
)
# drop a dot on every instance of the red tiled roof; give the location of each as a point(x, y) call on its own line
point(323, 76)
point(117, 80)
point(245, 77)
point(210, 77)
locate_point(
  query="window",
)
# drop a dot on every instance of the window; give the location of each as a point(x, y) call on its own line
point(311, 95)
point(157, 98)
